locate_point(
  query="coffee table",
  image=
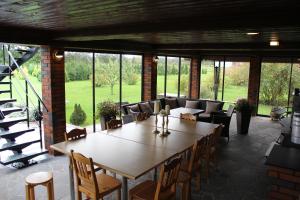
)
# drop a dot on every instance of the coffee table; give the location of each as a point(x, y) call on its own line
point(177, 111)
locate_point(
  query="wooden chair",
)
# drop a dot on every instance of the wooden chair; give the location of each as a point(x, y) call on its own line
point(93, 185)
point(113, 124)
point(164, 189)
point(39, 178)
point(209, 155)
point(188, 116)
point(191, 167)
point(76, 134)
point(142, 116)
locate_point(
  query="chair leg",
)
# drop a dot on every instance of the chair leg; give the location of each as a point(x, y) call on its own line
point(79, 195)
point(187, 191)
point(31, 192)
point(119, 194)
point(50, 190)
point(183, 191)
point(198, 181)
point(27, 189)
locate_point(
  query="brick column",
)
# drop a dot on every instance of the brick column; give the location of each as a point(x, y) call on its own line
point(149, 77)
point(195, 78)
point(254, 80)
point(53, 90)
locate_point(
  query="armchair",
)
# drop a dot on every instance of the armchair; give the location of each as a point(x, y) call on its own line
point(223, 118)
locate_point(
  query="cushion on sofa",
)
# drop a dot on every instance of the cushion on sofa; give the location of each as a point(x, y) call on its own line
point(192, 104)
point(211, 107)
point(134, 108)
point(146, 107)
point(181, 102)
point(171, 102)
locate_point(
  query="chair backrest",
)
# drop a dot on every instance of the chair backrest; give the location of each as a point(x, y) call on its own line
point(168, 178)
point(75, 134)
point(230, 111)
point(85, 173)
point(113, 124)
point(127, 118)
point(142, 116)
point(188, 116)
point(216, 135)
point(199, 148)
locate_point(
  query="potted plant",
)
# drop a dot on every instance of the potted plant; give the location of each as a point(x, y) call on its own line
point(106, 111)
point(243, 115)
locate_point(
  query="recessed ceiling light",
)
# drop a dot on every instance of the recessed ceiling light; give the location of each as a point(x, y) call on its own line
point(252, 33)
point(274, 43)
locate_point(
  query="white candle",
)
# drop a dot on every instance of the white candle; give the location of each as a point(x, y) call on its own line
point(167, 109)
point(156, 107)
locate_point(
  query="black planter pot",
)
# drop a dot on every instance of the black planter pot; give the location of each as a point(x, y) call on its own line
point(243, 122)
point(104, 119)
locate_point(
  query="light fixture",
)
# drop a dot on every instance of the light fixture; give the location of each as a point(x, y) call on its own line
point(155, 59)
point(58, 55)
point(274, 43)
point(252, 33)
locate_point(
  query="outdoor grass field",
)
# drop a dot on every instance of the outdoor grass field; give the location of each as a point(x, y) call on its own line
point(81, 92)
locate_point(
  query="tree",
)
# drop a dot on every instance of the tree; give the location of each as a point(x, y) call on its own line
point(78, 116)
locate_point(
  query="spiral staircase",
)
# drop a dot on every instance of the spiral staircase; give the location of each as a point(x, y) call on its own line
point(15, 122)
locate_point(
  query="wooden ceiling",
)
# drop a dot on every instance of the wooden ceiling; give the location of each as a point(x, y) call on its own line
point(164, 26)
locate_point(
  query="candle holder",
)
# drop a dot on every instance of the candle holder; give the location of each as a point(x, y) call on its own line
point(163, 133)
point(167, 125)
point(156, 120)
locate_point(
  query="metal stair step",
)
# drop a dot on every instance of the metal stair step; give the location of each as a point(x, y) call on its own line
point(22, 50)
point(4, 74)
point(6, 160)
point(4, 83)
point(7, 111)
point(15, 146)
point(7, 122)
point(12, 133)
point(4, 101)
point(4, 91)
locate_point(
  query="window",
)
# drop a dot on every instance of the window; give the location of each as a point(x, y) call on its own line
point(161, 70)
point(78, 84)
point(172, 76)
point(185, 76)
point(274, 85)
point(131, 78)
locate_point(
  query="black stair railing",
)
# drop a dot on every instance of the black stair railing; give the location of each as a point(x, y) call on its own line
point(28, 85)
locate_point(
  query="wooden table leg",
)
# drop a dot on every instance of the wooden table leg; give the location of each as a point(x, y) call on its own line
point(71, 179)
point(124, 188)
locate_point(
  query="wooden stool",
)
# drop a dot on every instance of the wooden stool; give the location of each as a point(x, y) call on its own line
point(39, 178)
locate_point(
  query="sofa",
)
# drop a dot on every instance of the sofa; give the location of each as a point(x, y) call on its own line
point(148, 106)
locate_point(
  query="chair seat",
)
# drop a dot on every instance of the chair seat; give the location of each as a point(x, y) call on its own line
point(39, 178)
point(106, 184)
point(146, 191)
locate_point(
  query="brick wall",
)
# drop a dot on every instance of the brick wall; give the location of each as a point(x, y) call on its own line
point(254, 80)
point(285, 184)
point(149, 77)
point(53, 94)
point(195, 78)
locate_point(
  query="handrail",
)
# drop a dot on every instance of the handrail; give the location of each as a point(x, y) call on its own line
point(26, 78)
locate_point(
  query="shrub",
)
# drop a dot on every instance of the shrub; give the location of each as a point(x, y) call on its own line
point(19, 75)
point(37, 73)
point(131, 78)
point(78, 116)
point(184, 85)
point(106, 108)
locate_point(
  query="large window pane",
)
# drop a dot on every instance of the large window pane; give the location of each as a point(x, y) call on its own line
point(161, 77)
point(295, 81)
point(78, 86)
point(107, 79)
point(131, 78)
point(274, 86)
point(236, 80)
point(185, 77)
point(172, 76)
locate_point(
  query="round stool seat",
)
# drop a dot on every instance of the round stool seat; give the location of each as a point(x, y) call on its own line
point(39, 178)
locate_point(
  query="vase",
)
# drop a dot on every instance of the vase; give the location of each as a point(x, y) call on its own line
point(104, 119)
point(243, 122)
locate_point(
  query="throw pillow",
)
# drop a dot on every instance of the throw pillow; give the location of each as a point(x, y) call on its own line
point(145, 107)
point(171, 102)
point(192, 104)
point(211, 107)
point(134, 108)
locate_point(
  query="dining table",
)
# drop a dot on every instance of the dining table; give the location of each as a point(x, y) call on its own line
point(133, 149)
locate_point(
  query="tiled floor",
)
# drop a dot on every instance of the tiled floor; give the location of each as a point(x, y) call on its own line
point(241, 173)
